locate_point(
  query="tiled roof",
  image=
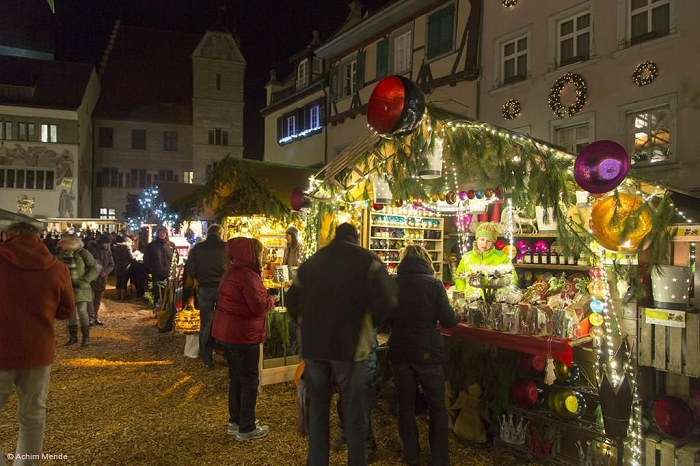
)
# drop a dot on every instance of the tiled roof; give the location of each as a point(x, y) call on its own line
point(148, 76)
point(42, 83)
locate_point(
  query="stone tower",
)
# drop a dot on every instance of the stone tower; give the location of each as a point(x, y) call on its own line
point(218, 69)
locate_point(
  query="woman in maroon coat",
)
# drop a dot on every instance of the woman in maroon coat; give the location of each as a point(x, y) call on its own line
point(240, 326)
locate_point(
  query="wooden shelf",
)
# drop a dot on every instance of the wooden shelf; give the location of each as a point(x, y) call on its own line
point(404, 216)
point(404, 239)
point(404, 227)
point(552, 267)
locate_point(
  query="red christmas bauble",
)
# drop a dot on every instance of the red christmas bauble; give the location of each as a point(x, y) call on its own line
point(395, 107)
point(376, 206)
point(471, 194)
point(499, 244)
point(498, 192)
point(298, 201)
point(524, 392)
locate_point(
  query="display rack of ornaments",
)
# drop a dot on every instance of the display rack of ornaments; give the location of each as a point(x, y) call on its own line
point(395, 228)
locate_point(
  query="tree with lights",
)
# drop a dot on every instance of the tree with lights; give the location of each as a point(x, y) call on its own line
point(147, 209)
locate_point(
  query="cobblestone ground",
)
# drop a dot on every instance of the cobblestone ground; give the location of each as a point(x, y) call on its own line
point(131, 397)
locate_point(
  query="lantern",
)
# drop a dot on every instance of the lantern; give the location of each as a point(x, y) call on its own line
point(382, 191)
point(433, 161)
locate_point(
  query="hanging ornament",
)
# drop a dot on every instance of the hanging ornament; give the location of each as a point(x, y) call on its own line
point(511, 109)
point(596, 319)
point(609, 222)
point(382, 191)
point(597, 332)
point(441, 196)
point(555, 95)
point(434, 197)
point(645, 73)
point(433, 161)
point(489, 193)
point(597, 305)
point(566, 374)
point(398, 202)
point(595, 273)
point(601, 166)
point(298, 201)
point(597, 289)
point(376, 206)
point(451, 197)
point(471, 194)
point(499, 245)
point(462, 196)
point(395, 107)
point(479, 194)
point(417, 201)
point(498, 192)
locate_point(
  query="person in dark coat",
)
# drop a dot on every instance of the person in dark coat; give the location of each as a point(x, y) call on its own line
point(417, 352)
point(341, 294)
point(292, 253)
point(240, 326)
point(206, 263)
point(36, 290)
point(100, 250)
point(123, 259)
point(158, 259)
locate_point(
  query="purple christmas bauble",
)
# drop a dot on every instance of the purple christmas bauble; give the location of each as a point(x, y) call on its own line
point(601, 166)
point(540, 247)
point(523, 246)
point(462, 196)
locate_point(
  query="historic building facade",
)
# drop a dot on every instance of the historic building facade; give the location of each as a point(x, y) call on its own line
point(46, 136)
point(632, 56)
point(171, 108)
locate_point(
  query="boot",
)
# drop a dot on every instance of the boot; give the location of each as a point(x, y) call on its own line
point(86, 335)
point(122, 294)
point(73, 335)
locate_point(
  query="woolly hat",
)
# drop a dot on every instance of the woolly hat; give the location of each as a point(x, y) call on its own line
point(487, 230)
point(102, 239)
point(294, 231)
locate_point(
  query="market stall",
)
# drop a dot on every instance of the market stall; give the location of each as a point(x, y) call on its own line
point(250, 199)
point(579, 234)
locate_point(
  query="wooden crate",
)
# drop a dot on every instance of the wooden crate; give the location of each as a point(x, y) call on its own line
point(670, 452)
point(671, 349)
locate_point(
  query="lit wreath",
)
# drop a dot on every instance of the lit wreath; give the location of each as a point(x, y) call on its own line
point(555, 95)
point(511, 109)
point(652, 71)
point(509, 3)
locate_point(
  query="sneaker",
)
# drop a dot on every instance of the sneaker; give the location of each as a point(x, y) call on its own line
point(259, 432)
point(233, 427)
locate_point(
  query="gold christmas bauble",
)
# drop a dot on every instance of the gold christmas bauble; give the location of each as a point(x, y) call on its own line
point(441, 196)
point(434, 197)
point(609, 219)
point(398, 202)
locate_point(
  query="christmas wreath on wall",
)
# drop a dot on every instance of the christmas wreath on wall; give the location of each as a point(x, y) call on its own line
point(645, 73)
point(509, 3)
point(511, 109)
point(555, 95)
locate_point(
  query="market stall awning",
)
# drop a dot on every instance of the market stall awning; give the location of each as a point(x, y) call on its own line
point(239, 187)
point(7, 218)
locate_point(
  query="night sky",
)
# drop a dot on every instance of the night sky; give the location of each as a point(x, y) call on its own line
point(270, 32)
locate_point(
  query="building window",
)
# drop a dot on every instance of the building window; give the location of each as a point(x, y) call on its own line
point(318, 66)
point(170, 140)
point(22, 132)
point(108, 214)
point(403, 52)
point(211, 137)
point(224, 138)
point(218, 82)
point(440, 34)
point(26, 179)
point(188, 177)
point(314, 117)
point(291, 126)
point(514, 59)
point(649, 19)
point(217, 139)
point(573, 138)
point(138, 139)
point(211, 168)
point(574, 38)
point(8, 130)
point(350, 78)
point(49, 133)
point(303, 74)
point(105, 137)
point(649, 135)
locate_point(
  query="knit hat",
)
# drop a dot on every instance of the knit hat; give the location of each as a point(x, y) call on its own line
point(294, 231)
point(487, 230)
point(104, 239)
point(347, 232)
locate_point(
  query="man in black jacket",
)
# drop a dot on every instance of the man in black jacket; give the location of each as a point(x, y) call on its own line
point(206, 263)
point(100, 250)
point(158, 259)
point(340, 295)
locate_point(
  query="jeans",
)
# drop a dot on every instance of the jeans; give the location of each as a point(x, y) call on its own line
point(32, 387)
point(370, 397)
point(98, 290)
point(207, 298)
point(350, 377)
point(243, 374)
point(432, 380)
point(81, 311)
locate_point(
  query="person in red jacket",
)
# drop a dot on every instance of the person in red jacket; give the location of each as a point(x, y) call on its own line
point(240, 326)
point(35, 290)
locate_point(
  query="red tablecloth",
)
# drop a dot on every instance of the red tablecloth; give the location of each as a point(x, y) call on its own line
point(559, 348)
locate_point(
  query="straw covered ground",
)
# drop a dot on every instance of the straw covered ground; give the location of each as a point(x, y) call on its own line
point(131, 397)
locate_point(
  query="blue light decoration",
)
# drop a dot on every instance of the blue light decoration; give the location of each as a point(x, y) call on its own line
point(151, 211)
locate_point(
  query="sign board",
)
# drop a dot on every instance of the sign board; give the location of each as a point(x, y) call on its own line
point(665, 317)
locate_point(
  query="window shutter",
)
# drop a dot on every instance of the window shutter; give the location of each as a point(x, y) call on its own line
point(301, 119)
point(280, 128)
point(433, 35)
point(334, 83)
point(382, 58)
point(360, 70)
point(447, 28)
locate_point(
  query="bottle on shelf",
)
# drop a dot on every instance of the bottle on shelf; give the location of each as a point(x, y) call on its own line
point(527, 257)
point(566, 403)
point(535, 258)
point(553, 258)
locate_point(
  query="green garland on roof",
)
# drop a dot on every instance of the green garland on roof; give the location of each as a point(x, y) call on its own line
point(247, 196)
